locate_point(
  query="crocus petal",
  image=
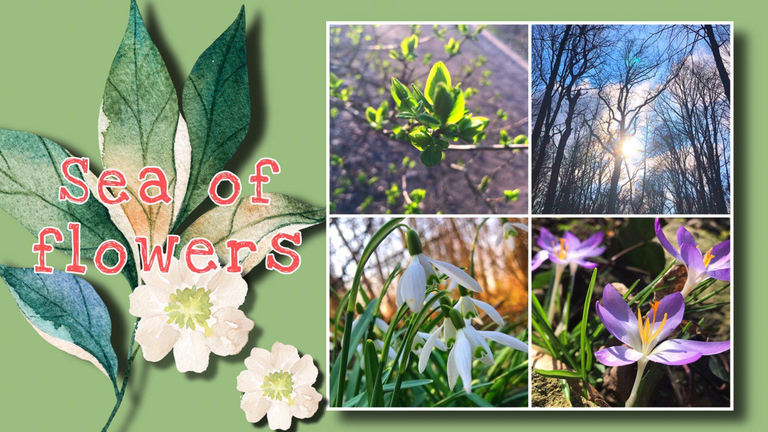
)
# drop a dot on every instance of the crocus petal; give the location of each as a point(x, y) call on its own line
point(255, 406)
point(426, 351)
point(691, 256)
point(546, 239)
point(572, 241)
point(463, 359)
point(705, 348)
point(664, 241)
point(721, 253)
point(191, 352)
point(458, 275)
point(684, 236)
point(279, 415)
point(618, 356)
point(673, 305)
point(586, 264)
point(306, 402)
point(492, 313)
point(156, 337)
point(723, 274)
point(505, 340)
point(592, 241)
point(617, 317)
point(593, 252)
point(412, 286)
point(539, 259)
point(672, 353)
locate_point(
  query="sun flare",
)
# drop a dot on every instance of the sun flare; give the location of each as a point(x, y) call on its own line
point(631, 147)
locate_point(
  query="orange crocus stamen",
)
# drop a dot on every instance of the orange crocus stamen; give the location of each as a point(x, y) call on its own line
point(562, 251)
point(645, 327)
point(708, 257)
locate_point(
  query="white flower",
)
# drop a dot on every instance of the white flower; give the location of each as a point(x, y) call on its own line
point(195, 314)
point(412, 286)
point(278, 385)
point(470, 344)
point(468, 307)
point(508, 234)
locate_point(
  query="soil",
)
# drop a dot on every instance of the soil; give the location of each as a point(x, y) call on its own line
point(371, 152)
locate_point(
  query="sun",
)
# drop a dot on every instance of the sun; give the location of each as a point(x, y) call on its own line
point(631, 146)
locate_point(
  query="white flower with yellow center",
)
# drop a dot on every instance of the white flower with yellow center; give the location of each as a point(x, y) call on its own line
point(193, 314)
point(278, 384)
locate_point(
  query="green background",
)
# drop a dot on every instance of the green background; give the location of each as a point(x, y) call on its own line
point(54, 58)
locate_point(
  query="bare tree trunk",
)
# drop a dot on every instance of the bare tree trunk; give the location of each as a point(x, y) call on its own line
point(726, 80)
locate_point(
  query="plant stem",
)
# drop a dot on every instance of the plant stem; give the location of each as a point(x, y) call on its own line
point(640, 369)
point(119, 395)
point(554, 292)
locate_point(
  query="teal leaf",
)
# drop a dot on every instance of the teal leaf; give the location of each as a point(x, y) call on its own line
point(30, 178)
point(66, 311)
point(137, 128)
point(217, 105)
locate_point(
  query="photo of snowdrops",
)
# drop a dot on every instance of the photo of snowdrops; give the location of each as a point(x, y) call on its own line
point(631, 313)
point(428, 312)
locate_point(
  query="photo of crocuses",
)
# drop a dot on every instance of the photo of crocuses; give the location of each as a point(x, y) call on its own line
point(631, 313)
point(428, 313)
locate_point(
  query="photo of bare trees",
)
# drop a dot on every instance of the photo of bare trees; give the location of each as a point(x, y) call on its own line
point(631, 119)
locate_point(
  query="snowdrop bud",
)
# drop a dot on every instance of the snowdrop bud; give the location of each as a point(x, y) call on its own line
point(413, 242)
point(457, 320)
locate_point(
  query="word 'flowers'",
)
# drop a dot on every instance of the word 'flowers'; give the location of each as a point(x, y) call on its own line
point(645, 338)
point(714, 263)
point(278, 384)
point(193, 314)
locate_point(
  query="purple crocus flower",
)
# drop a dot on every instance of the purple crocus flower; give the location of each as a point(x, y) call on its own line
point(645, 338)
point(714, 263)
point(568, 250)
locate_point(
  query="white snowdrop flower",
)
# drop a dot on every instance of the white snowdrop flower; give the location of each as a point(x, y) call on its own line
point(508, 233)
point(193, 314)
point(468, 306)
point(278, 384)
point(412, 286)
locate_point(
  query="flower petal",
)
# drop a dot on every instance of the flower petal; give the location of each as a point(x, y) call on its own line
point(249, 381)
point(156, 337)
point(304, 371)
point(664, 241)
point(684, 236)
point(457, 274)
point(546, 239)
point(572, 241)
point(505, 340)
point(539, 259)
point(306, 402)
point(723, 274)
point(412, 286)
point(691, 256)
point(426, 351)
point(230, 332)
point(148, 300)
point(463, 360)
point(260, 361)
point(227, 289)
point(586, 264)
point(592, 241)
point(673, 305)
point(453, 373)
point(618, 356)
point(428, 270)
point(673, 353)
point(722, 255)
point(279, 415)
point(617, 317)
point(255, 406)
point(191, 352)
point(705, 348)
point(284, 356)
point(492, 313)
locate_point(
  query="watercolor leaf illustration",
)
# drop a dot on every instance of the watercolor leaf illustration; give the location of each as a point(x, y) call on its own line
point(217, 104)
point(138, 128)
point(66, 311)
point(258, 223)
point(30, 179)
